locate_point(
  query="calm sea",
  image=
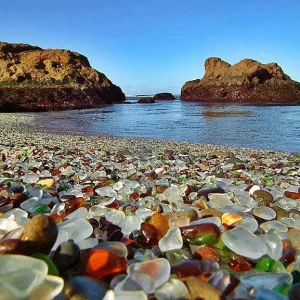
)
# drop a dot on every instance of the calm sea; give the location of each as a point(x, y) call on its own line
point(263, 127)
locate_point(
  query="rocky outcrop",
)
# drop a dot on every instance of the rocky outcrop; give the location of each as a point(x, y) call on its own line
point(146, 100)
point(164, 96)
point(246, 81)
point(34, 79)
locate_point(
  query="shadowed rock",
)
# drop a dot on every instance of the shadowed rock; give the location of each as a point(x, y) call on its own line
point(164, 96)
point(34, 79)
point(246, 81)
point(146, 100)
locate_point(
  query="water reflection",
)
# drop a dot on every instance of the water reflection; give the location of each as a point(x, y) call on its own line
point(226, 114)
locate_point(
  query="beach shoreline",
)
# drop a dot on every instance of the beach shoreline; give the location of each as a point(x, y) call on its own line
point(21, 128)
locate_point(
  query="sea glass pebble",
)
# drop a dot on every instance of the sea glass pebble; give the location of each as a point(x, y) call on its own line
point(274, 225)
point(243, 242)
point(22, 276)
point(172, 240)
point(274, 245)
point(156, 271)
point(265, 213)
point(174, 289)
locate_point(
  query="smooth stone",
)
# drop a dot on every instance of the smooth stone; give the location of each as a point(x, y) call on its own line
point(219, 200)
point(274, 245)
point(267, 280)
point(249, 223)
point(238, 240)
point(35, 191)
point(20, 275)
point(13, 246)
point(156, 271)
point(294, 237)
point(117, 279)
point(16, 212)
point(106, 191)
point(30, 205)
point(294, 292)
point(129, 284)
point(265, 213)
point(52, 269)
point(174, 289)
point(206, 252)
point(80, 229)
point(117, 247)
point(13, 234)
point(289, 222)
point(244, 199)
point(214, 220)
point(201, 234)
point(30, 178)
point(132, 295)
point(130, 224)
point(80, 212)
point(171, 241)
point(87, 243)
point(82, 288)
point(191, 214)
point(50, 288)
point(6, 225)
point(265, 195)
point(229, 219)
point(47, 182)
point(274, 226)
point(17, 198)
point(182, 221)
point(40, 234)
point(194, 267)
point(99, 263)
point(66, 256)
point(220, 279)
point(267, 294)
point(199, 289)
point(64, 233)
point(176, 256)
point(211, 212)
point(144, 213)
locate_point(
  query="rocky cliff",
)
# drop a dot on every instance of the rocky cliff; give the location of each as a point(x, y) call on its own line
point(34, 79)
point(246, 81)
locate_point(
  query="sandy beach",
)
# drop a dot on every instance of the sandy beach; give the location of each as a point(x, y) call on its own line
point(96, 183)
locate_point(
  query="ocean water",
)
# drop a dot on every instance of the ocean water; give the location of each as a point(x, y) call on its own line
point(262, 127)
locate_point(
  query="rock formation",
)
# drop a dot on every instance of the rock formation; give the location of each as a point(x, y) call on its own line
point(246, 81)
point(164, 96)
point(33, 79)
point(146, 100)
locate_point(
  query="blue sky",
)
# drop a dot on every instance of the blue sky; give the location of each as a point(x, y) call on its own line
point(149, 46)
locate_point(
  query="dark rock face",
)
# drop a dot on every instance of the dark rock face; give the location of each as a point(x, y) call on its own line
point(246, 81)
point(164, 96)
point(33, 79)
point(146, 100)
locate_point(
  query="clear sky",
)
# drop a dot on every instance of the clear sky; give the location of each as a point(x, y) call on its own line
point(149, 46)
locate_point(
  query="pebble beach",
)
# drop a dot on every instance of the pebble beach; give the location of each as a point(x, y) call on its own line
point(103, 217)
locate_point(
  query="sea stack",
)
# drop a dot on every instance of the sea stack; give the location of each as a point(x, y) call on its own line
point(34, 79)
point(248, 81)
point(164, 96)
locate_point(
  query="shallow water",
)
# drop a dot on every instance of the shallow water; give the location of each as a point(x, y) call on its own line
point(263, 127)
